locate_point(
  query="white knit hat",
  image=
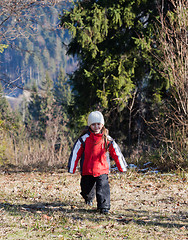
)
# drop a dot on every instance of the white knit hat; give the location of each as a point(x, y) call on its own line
point(95, 117)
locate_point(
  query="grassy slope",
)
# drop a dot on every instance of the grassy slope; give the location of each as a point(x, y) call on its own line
point(49, 206)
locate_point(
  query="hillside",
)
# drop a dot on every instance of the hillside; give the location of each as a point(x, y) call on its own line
point(40, 48)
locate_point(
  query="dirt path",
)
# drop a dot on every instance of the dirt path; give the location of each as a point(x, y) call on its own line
point(49, 206)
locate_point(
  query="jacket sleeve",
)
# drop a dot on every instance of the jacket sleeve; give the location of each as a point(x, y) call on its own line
point(75, 156)
point(118, 157)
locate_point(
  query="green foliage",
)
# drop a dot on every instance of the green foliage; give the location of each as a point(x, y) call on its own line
point(3, 147)
point(43, 139)
point(3, 47)
point(48, 104)
point(36, 118)
point(39, 49)
point(4, 105)
point(10, 127)
point(62, 91)
point(116, 43)
point(113, 62)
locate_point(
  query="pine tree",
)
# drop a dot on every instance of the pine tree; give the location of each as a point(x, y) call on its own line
point(62, 91)
point(114, 69)
point(33, 119)
point(4, 105)
point(63, 100)
point(47, 92)
point(40, 107)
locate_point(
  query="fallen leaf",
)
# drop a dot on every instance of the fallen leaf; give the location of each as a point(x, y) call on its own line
point(98, 226)
point(46, 217)
point(182, 228)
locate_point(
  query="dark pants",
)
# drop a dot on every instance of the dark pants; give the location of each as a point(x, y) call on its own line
point(96, 185)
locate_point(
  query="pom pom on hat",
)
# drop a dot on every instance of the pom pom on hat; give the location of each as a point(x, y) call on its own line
point(95, 117)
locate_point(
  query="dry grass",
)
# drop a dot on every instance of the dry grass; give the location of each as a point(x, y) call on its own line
point(49, 206)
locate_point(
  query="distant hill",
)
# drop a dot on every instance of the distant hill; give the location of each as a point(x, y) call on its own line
point(28, 58)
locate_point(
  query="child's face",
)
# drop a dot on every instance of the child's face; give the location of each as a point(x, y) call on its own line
point(96, 127)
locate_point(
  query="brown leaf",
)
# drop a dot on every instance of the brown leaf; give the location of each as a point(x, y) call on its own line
point(182, 228)
point(45, 217)
point(97, 226)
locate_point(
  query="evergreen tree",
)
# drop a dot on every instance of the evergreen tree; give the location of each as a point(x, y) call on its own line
point(63, 100)
point(34, 121)
point(39, 108)
point(10, 120)
point(62, 91)
point(47, 91)
point(31, 36)
point(4, 105)
point(114, 70)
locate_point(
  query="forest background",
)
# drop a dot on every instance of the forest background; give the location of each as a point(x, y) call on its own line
point(60, 60)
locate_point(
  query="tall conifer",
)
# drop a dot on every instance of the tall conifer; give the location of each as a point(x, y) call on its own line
point(114, 72)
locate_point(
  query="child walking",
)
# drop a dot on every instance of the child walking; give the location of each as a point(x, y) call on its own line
point(92, 149)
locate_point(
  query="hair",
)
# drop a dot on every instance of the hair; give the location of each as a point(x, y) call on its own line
point(105, 135)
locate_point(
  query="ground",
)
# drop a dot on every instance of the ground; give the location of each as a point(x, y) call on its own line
point(49, 206)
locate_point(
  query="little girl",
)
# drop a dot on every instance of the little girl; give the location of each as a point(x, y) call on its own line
point(93, 148)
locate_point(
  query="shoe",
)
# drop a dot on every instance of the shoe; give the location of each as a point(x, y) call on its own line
point(104, 211)
point(89, 203)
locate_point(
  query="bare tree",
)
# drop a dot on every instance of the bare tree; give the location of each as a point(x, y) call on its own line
point(22, 14)
point(172, 125)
